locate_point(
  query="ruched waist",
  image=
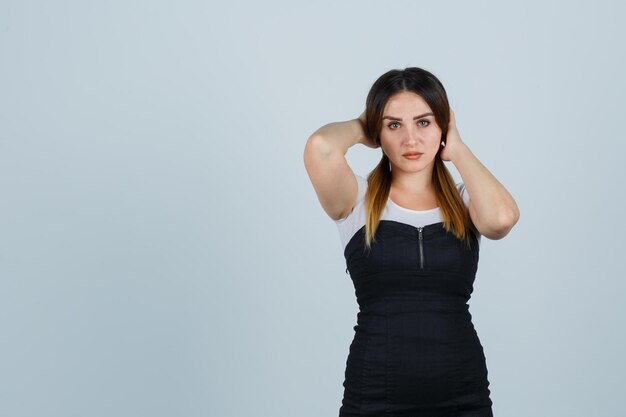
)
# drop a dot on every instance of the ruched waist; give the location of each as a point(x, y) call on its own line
point(399, 305)
point(433, 290)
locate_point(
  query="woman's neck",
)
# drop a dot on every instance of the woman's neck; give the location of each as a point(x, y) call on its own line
point(415, 183)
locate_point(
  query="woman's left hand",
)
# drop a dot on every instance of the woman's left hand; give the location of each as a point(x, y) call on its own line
point(453, 140)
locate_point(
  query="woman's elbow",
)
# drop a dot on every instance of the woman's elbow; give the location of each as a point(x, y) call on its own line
point(507, 220)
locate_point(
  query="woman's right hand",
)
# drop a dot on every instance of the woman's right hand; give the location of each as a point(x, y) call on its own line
point(365, 139)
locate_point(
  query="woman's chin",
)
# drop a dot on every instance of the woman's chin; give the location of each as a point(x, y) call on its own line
point(412, 167)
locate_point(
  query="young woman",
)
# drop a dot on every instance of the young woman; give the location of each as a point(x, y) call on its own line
point(411, 240)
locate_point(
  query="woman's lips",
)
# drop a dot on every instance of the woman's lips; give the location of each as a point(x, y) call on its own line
point(412, 155)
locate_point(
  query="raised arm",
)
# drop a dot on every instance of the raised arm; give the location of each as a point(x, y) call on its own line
point(324, 159)
point(492, 208)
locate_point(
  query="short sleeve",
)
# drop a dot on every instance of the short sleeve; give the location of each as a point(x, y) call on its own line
point(362, 188)
point(464, 194)
point(466, 199)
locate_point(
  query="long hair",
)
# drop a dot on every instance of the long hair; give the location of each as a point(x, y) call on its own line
point(454, 214)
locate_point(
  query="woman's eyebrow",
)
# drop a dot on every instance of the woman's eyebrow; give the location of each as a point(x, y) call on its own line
point(400, 119)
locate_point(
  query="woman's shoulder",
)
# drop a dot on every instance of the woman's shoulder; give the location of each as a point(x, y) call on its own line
point(362, 189)
point(362, 183)
point(463, 192)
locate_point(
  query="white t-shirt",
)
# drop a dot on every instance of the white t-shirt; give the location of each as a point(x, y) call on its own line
point(355, 220)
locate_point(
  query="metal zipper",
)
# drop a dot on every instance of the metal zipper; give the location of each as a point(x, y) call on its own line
point(421, 238)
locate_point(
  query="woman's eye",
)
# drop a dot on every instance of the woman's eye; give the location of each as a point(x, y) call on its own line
point(424, 121)
point(391, 124)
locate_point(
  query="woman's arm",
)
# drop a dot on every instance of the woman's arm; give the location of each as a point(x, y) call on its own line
point(492, 209)
point(324, 158)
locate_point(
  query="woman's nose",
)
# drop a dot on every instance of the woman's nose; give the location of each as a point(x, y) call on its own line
point(412, 135)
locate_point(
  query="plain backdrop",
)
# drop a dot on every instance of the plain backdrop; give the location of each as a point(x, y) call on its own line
point(163, 253)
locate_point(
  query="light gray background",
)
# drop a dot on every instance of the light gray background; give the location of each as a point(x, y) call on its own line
point(163, 253)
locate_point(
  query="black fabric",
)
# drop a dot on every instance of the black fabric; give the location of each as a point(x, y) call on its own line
point(415, 351)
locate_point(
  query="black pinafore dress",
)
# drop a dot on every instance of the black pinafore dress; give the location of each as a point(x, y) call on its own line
point(415, 351)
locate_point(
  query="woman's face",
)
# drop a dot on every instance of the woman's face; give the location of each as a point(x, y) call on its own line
point(410, 136)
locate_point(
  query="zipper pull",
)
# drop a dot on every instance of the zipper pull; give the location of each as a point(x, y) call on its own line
point(421, 238)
